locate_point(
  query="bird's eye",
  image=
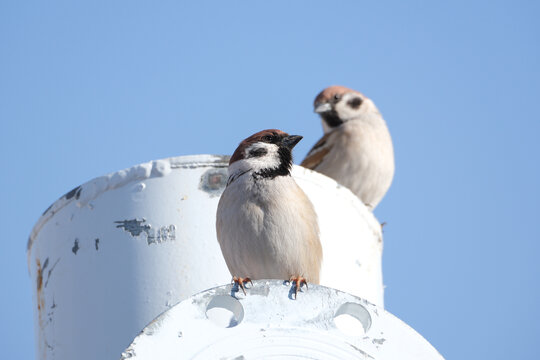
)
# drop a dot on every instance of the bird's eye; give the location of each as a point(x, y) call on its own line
point(337, 97)
point(268, 138)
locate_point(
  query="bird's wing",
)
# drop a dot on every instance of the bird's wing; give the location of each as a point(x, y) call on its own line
point(317, 153)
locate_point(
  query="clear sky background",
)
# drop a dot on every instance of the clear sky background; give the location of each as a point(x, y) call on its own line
point(88, 89)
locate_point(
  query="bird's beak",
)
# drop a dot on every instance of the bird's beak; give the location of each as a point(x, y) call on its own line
point(324, 107)
point(290, 141)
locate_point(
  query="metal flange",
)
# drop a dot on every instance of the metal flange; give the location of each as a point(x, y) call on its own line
point(268, 323)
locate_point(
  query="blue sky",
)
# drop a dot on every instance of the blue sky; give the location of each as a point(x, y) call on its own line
point(87, 89)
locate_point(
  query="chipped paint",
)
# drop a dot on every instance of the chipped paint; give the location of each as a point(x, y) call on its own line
point(50, 271)
point(47, 209)
point(75, 247)
point(161, 167)
point(154, 326)
point(90, 190)
point(50, 314)
point(136, 227)
point(139, 187)
point(75, 192)
point(170, 297)
point(362, 352)
point(128, 354)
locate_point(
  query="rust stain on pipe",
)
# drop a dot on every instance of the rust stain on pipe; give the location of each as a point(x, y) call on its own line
point(41, 305)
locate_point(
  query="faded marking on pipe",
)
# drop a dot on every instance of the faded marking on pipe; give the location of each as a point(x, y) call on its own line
point(136, 227)
point(213, 181)
point(164, 233)
point(75, 247)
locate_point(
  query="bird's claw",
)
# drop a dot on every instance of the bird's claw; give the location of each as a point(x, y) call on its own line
point(297, 282)
point(240, 282)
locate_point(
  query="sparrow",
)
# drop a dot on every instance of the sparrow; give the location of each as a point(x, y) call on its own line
point(356, 149)
point(266, 226)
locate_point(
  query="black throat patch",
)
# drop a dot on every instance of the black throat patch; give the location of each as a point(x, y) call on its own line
point(331, 118)
point(284, 168)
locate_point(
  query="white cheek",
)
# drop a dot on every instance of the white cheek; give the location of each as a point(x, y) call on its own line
point(268, 161)
point(346, 112)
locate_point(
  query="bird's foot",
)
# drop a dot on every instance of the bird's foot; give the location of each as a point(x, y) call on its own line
point(241, 282)
point(296, 283)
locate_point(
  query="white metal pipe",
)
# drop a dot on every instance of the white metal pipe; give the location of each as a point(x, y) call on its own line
point(112, 254)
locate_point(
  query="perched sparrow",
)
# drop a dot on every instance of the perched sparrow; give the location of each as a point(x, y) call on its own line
point(356, 149)
point(266, 226)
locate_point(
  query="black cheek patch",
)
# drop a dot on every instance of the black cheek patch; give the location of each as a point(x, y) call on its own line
point(258, 152)
point(355, 102)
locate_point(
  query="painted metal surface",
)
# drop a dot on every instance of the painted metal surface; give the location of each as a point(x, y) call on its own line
point(222, 323)
point(113, 253)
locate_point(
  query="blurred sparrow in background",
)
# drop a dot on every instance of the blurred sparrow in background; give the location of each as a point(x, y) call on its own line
point(356, 149)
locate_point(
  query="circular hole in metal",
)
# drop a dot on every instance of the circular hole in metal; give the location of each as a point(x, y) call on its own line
point(352, 319)
point(225, 311)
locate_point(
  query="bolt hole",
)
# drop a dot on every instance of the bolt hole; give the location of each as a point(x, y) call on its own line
point(352, 319)
point(225, 311)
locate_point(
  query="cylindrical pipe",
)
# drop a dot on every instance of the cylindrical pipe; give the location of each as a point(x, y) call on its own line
point(112, 254)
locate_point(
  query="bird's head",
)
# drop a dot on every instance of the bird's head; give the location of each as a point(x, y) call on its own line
point(338, 104)
point(267, 154)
